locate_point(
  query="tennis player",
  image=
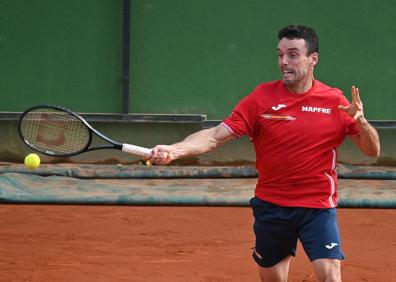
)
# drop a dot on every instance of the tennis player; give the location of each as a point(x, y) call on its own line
point(295, 124)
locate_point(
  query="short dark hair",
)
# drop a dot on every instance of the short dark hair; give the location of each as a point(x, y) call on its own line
point(301, 32)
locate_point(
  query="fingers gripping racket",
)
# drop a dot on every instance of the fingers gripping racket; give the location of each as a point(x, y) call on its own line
point(59, 132)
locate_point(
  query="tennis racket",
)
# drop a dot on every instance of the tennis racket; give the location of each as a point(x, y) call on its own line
point(59, 132)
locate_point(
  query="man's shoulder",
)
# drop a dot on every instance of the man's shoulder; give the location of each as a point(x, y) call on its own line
point(262, 94)
point(267, 86)
point(324, 88)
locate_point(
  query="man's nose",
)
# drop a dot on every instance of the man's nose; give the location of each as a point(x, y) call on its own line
point(283, 61)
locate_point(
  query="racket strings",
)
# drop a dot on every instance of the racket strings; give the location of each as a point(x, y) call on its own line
point(54, 131)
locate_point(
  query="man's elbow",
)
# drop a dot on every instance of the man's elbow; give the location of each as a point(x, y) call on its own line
point(374, 152)
point(377, 153)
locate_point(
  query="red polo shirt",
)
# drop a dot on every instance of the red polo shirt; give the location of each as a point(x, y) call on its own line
point(295, 137)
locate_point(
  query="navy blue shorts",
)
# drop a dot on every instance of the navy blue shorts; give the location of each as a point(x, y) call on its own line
point(277, 230)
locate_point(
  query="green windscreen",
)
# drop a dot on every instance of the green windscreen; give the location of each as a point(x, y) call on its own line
point(61, 52)
point(204, 56)
point(189, 57)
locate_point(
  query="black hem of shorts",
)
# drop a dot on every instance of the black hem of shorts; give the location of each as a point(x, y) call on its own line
point(267, 265)
point(328, 257)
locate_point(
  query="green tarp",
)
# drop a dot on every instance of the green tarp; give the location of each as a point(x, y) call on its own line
point(137, 185)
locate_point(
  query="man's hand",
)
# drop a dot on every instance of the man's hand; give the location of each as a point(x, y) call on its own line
point(162, 154)
point(367, 140)
point(355, 109)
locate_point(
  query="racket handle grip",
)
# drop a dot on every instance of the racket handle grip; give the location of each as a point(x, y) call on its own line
point(136, 150)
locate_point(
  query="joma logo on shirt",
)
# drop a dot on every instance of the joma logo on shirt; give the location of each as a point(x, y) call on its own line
point(316, 110)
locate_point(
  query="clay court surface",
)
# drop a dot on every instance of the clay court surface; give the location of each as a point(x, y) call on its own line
point(162, 243)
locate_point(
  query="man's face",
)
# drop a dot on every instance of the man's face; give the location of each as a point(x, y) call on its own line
point(294, 63)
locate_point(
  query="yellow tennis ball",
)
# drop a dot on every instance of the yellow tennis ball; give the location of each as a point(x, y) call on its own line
point(149, 163)
point(32, 161)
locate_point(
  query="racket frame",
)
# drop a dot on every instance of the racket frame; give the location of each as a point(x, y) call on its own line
point(113, 144)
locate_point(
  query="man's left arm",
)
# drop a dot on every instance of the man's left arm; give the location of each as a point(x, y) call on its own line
point(367, 140)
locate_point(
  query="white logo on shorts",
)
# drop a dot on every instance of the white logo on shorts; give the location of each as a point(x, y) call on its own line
point(332, 245)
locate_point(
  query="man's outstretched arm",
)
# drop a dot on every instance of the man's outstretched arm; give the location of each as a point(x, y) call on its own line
point(198, 143)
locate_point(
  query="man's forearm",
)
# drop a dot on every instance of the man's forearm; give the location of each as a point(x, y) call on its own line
point(369, 140)
point(198, 143)
point(195, 144)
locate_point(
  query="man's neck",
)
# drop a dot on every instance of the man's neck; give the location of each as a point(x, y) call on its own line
point(301, 88)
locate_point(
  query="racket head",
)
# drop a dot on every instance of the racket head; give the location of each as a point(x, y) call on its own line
point(54, 131)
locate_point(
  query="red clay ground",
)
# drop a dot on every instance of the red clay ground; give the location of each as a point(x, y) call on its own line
point(169, 244)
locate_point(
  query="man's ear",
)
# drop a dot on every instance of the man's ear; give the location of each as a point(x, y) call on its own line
point(315, 58)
